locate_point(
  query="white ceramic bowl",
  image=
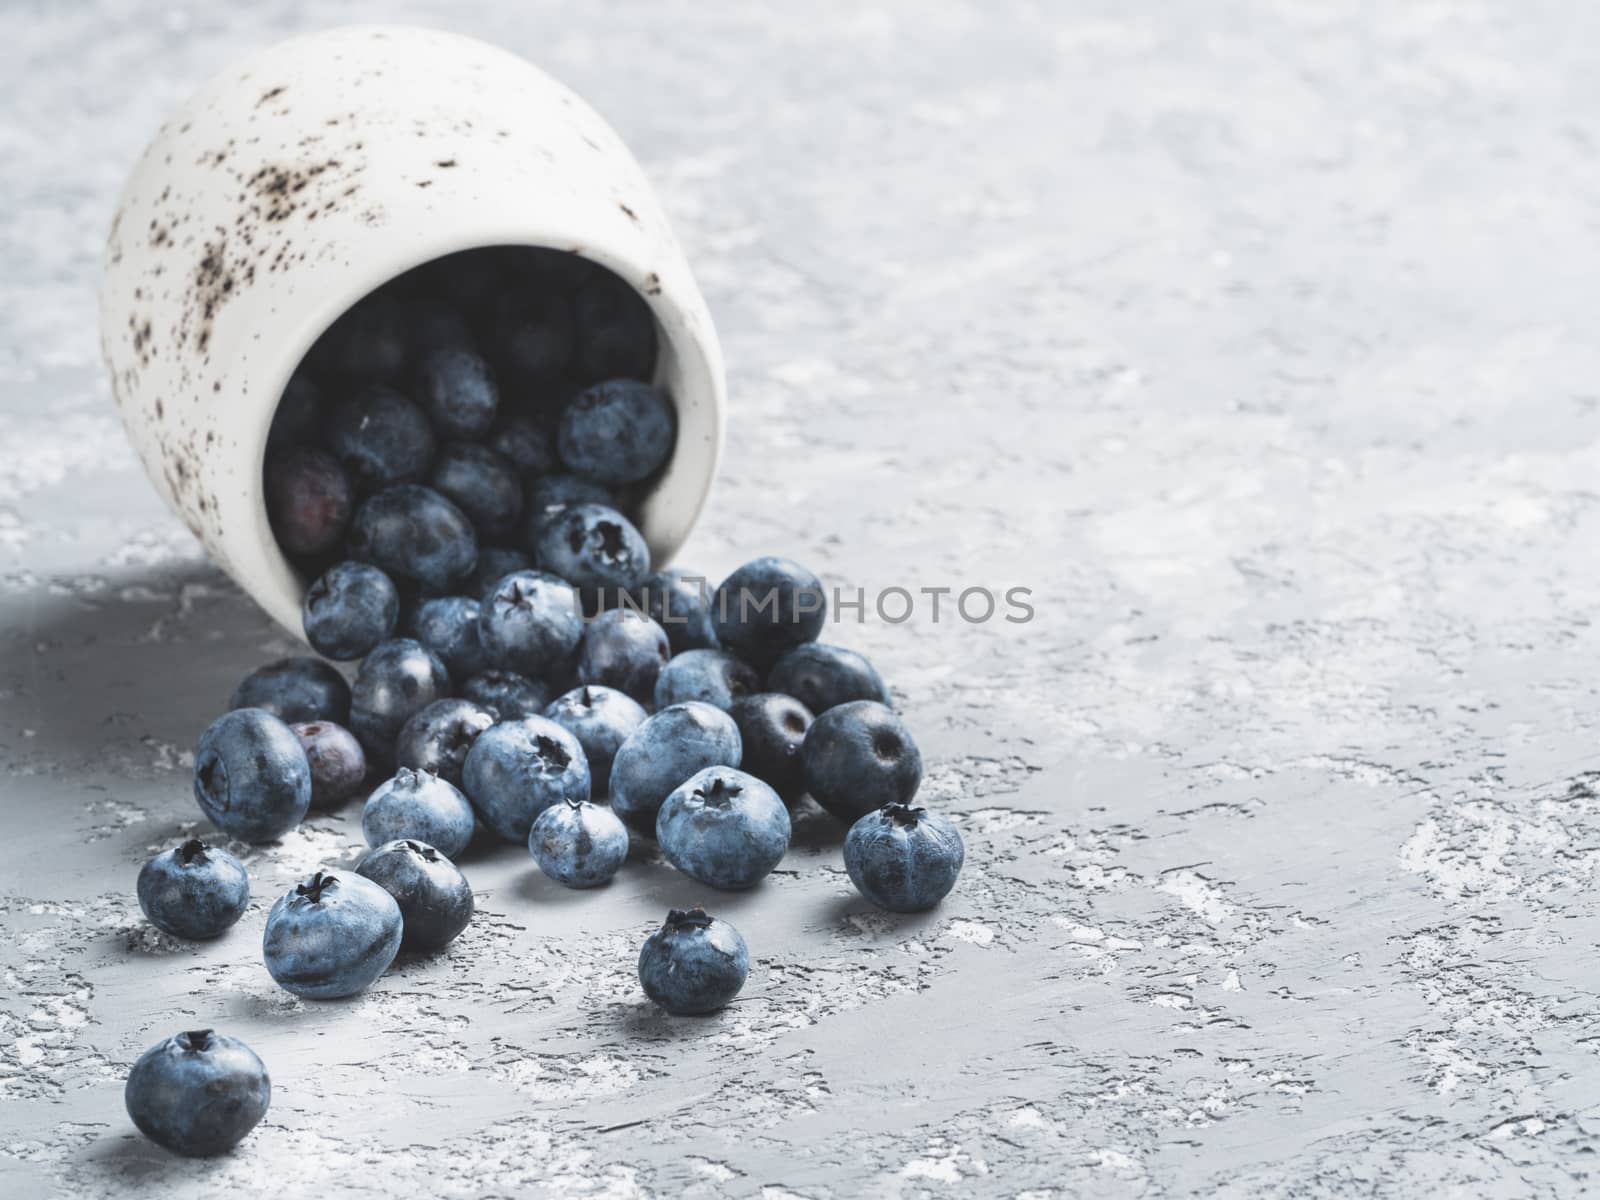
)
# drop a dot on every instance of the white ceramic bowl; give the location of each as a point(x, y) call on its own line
point(298, 180)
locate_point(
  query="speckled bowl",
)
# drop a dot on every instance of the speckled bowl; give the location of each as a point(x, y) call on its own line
point(298, 180)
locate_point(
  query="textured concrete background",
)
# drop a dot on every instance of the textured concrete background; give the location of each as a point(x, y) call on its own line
point(1253, 336)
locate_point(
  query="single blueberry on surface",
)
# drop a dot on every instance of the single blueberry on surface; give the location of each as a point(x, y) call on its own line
point(482, 484)
point(517, 769)
point(616, 334)
point(694, 963)
point(456, 389)
point(766, 607)
point(531, 332)
point(349, 609)
point(772, 728)
point(858, 757)
point(421, 806)
point(297, 421)
point(595, 548)
point(309, 500)
point(369, 341)
point(494, 564)
point(714, 676)
point(525, 444)
point(295, 689)
point(337, 761)
point(251, 778)
point(434, 897)
point(437, 739)
point(601, 718)
point(395, 682)
point(197, 1093)
point(620, 431)
point(578, 844)
point(331, 936)
point(448, 625)
point(413, 533)
point(530, 623)
point(902, 858)
point(664, 750)
point(380, 438)
point(723, 827)
point(549, 496)
point(680, 602)
point(193, 891)
point(507, 695)
point(823, 677)
point(624, 649)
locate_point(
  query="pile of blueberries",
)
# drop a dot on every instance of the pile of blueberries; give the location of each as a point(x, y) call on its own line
point(453, 467)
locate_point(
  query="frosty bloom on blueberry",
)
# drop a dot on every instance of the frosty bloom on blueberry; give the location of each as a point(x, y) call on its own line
point(517, 769)
point(724, 828)
point(601, 718)
point(193, 891)
point(663, 751)
point(197, 1093)
point(694, 963)
point(422, 807)
point(434, 897)
point(295, 689)
point(251, 778)
point(349, 609)
point(437, 738)
point(332, 936)
point(902, 858)
point(578, 844)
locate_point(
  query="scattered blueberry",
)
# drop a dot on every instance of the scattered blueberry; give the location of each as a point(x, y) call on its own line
point(601, 718)
point(438, 737)
point(766, 607)
point(448, 625)
point(494, 564)
point(525, 444)
point(434, 897)
point(349, 609)
point(714, 676)
point(251, 777)
point(665, 750)
point(620, 431)
point(517, 769)
point(551, 495)
point(396, 681)
point(338, 764)
point(193, 892)
point(197, 1093)
point(772, 728)
point(309, 499)
point(532, 333)
point(616, 332)
point(694, 963)
point(482, 484)
point(414, 534)
point(858, 757)
point(295, 689)
point(596, 548)
point(418, 805)
point(507, 695)
point(369, 341)
point(724, 828)
point(823, 677)
point(624, 649)
point(380, 438)
point(332, 936)
point(680, 601)
point(455, 389)
point(902, 858)
point(530, 623)
point(578, 844)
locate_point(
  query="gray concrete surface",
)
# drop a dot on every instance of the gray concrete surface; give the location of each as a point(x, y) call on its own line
point(1254, 337)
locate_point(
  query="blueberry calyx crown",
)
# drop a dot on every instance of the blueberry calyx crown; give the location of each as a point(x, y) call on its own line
point(423, 851)
point(196, 1041)
point(720, 793)
point(610, 534)
point(409, 778)
point(551, 752)
point(574, 803)
point(314, 888)
point(687, 918)
point(903, 814)
point(588, 700)
point(192, 851)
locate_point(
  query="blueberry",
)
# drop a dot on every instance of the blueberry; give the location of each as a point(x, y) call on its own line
point(620, 431)
point(309, 500)
point(714, 676)
point(456, 390)
point(616, 333)
point(680, 601)
point(531, 332)
point(525, 444)
point(437, 739)
point(192, 892)
point(396, 681)
point(530, 623)
point(858, 757)
point(197, 1093)
point(766, 607)
point(448, 625)
point(823, 677)
point(434, 897)
point(295, 689)
point(482, 484)
point(902, 858)
point(507, 695)
point(601, 718)
point(624, 649)
point(517, 769)
point(551, 495)
point(595, 548)
point(694, 963)
point(494, 564)
point(349, 609)
point(578, 844)
point(419, 805)
point(369, 341)
point(297, 421)
point(338, 764)
point(772, 728)
point(724, 828)
point(332, 936)
point(665, 750)
point(251, 777)
point(414, 534)
point(380, 437)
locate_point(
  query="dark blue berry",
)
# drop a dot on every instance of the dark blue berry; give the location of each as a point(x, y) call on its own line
point(616, 332)
point(902, 858)
point(457, 391)
point(823, 677)
point(694, 963)
point(295, 689)
point(507, 695)
point(380, 437)
point(665, 750)
point(251, 778)
point(332, 936)
point(620, 431)
point(530, 623)
point(624, 649)
point(525, 444)
point(766, 607)
point(595, 548)
point(309, 500)
point(724, 828)
point(531, 332)
point(772, 728)
point(198, 1093)
point(396, 681)
point(349, 609)
point(338, 764)
point(194, 892)
point(415, 534)
point(551, 495)
point(437, 739)
point(680, 601)
point(858, 757)
point(714, 676)
point(517, 769)
point(494, 564)
point(482, 484)
point(578, 844)
point(419, 805)
point(601, 718)
point(448, 625)
point(434, 897)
